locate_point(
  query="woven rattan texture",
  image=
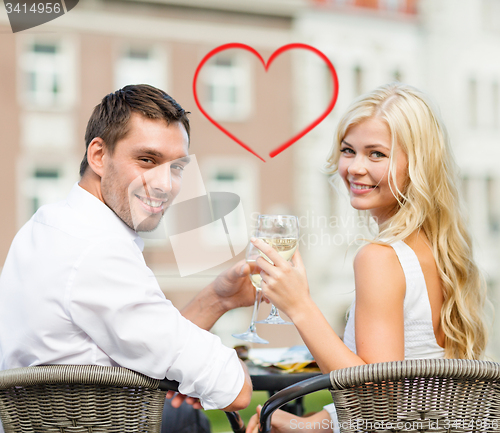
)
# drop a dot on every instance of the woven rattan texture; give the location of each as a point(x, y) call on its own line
point(418, 396)
point(79, 399)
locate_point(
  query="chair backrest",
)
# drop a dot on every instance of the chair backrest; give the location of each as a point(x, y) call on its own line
point(422, 395)
point(79, 398)
point(433, 395)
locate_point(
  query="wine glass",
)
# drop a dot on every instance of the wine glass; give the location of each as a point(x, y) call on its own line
point(282, 233)
point(252, 254)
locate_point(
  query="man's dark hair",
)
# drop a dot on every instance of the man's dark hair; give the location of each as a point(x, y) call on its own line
point(110, 119)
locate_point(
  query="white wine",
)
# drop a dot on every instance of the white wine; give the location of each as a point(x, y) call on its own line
point(256, 280)
point(281, 232)
point(284, 246)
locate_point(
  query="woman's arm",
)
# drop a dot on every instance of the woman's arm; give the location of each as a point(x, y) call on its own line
point(379, 314)
point(380, 289)
point(284, 422)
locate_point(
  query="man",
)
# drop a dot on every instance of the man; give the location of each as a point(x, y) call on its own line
point(75, 288)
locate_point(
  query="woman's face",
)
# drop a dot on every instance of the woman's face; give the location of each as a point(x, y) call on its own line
point(364, 167)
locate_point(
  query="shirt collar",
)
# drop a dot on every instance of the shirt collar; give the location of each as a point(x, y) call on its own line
point(98, 214)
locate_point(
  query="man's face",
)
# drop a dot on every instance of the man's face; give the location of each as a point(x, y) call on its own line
point(144, 174)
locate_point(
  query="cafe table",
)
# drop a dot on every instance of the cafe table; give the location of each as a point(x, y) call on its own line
point(273, 379)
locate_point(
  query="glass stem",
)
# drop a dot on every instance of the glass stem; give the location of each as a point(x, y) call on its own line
point(255, 309)
point(274, 312)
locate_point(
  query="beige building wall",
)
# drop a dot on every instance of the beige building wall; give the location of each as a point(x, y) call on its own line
point(9, 141)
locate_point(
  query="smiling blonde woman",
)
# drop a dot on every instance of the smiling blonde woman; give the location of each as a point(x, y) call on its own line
point(430, 203)
point(419, 293)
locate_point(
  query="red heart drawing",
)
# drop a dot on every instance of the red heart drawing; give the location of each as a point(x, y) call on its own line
point(284, 48)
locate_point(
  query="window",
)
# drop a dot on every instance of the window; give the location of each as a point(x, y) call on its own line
point(493, 204)
point(397, 76)
point(334, 2)
point(212, 229)
point(44, 187)
point(43, 131)
point(464, 186)
point(47, 73)
point(490, 12)
point(394, 5)
point(358, 81)
point(494, 105)
point(472, 103)
point(225, 181)
point(44, 178)
point(236, 176)
point(328, 87)
point(228, 87)
point(141, 65)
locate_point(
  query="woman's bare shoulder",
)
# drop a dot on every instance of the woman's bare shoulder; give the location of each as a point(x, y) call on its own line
point(376, 253)
point(378, 265)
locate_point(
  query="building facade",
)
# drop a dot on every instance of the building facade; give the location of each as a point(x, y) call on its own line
point(52, 76)
point(446, 50)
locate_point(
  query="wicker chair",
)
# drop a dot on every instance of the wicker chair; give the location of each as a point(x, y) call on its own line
point(432, 395)
point(79, 399)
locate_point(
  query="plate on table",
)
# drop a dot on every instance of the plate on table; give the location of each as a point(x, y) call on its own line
point(295, 359)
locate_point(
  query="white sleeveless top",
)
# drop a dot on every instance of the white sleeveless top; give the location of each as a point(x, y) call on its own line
point(420, 341)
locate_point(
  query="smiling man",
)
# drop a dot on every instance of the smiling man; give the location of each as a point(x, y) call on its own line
point(139, 178)
point(75, 288)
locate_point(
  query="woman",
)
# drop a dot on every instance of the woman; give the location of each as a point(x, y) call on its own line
point(419, 293)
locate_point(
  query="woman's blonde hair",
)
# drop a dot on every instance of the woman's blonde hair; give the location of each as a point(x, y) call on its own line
point(430, 201)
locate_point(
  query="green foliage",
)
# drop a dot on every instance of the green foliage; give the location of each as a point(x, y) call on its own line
point(312, 403)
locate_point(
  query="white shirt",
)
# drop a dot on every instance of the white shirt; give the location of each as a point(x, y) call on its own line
point(75, 290)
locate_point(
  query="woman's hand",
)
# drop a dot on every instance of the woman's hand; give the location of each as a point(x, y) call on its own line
point(281, 422)
point(284, 422)
point(284, 283)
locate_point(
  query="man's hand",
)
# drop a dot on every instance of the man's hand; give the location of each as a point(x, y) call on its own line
point(233, 287)
point(178, 399)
